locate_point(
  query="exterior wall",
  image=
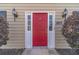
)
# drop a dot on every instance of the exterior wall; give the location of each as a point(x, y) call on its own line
point(17, 28)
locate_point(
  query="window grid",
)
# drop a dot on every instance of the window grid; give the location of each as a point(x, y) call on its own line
point(50, 22)
point(29, 22)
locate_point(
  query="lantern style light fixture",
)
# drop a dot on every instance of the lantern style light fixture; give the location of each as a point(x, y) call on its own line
point(14, 13)
point(65, 12)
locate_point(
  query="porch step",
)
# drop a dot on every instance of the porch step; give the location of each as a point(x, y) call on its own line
point(39, 51)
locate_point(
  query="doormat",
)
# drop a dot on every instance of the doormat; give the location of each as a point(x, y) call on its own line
point(11, 51)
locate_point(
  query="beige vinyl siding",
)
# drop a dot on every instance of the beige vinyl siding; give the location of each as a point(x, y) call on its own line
point(17, 28)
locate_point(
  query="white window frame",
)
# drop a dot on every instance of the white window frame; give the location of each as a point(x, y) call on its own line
point(28, 34)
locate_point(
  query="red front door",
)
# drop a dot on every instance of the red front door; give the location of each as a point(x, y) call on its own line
point(40, 29)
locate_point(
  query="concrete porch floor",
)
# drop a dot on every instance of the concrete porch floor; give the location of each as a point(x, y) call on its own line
point(40, 51)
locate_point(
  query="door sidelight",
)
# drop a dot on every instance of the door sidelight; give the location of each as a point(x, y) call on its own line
point(29, 22)
point(50, 23)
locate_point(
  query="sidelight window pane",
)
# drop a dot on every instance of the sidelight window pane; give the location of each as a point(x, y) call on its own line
point(50, 22)
point(50, 16)
point(29, 22)
point(29, 17)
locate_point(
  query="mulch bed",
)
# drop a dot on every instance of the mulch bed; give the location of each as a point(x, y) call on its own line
point(11, 51)
point(68, 51)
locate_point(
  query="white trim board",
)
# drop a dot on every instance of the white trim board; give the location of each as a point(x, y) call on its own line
point(28, 34)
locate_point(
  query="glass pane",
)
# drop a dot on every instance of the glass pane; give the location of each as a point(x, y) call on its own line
point(29, 22)
point(3, 13)
point(29, 17)
point(50, 16)
point(29, 28)
point(50, 22)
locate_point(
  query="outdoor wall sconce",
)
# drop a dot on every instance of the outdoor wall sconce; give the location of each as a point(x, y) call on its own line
point(65, 12)
point(14, 13)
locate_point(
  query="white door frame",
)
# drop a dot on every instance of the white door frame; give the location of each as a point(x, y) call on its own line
point(28, 34)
